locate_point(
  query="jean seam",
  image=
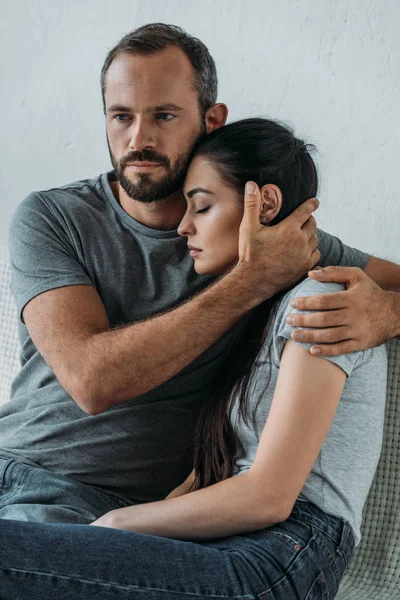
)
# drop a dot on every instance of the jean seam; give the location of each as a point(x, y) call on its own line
point(325, 592)
point(330, 558)
point(19, 484)
point(129, 586)
point(7, 463)
point(322, 531)
point(346, 543)
point(112, 503)
point(284, 577)
point(285, 537)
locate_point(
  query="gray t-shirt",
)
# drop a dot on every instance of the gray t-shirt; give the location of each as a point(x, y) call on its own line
point(79, 234)
point(343, 472)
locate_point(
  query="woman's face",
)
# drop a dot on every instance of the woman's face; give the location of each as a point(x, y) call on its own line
point(212, 219)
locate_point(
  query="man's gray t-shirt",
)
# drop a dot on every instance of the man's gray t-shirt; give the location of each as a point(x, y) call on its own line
point(343, 472)
point(79, 234)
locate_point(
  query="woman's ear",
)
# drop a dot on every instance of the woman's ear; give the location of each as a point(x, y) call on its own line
point(271, 203)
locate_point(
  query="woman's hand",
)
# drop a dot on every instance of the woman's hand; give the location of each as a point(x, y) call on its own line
point(108, 520)
point(131, 517)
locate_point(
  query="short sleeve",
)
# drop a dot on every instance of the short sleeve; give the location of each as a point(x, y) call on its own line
point(42, 254)
point(334, 252)
point(283, 331)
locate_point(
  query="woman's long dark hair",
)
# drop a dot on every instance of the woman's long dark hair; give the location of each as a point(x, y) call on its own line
point(263, 151)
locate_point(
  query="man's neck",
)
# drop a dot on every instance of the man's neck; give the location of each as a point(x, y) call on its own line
point(164, 215)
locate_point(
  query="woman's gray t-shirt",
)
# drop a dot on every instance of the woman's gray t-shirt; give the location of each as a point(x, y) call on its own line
point(343, 472)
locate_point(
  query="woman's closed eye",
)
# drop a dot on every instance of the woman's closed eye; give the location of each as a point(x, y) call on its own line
point(202, 210)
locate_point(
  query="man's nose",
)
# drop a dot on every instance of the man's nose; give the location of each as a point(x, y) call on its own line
point(142, 135)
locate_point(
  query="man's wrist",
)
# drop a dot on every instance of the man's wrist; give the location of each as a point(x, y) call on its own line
point(394, 313)
point(250, 293)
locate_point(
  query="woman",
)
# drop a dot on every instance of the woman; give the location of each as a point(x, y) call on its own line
point(285, 451)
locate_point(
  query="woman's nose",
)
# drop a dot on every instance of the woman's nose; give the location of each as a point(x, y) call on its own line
point(185, 226)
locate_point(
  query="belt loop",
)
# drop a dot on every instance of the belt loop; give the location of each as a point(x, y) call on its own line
point(346, 534)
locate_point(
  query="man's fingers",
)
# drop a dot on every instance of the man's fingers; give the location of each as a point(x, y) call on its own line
point(322, 336)
point(252, 203)
point(304, 212)
point(328, 318)
point(315, 256)
point(335, 349)
point(310, 226)
point(336, 274)
point(321, 302)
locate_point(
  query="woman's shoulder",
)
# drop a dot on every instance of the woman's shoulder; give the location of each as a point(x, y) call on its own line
point(306, 287)
point(310, 287)
point(281, 330)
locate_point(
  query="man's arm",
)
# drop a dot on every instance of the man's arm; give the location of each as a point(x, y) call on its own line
point(385, 273)
point(100, 367)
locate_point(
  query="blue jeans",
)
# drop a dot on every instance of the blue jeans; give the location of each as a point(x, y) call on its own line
point(303, 558)
point(33, 494)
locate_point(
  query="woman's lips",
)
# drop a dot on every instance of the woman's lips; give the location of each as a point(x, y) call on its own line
point(194, 251)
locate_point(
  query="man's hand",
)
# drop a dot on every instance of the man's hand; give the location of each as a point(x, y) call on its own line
point(361, 317)
point(278, 256)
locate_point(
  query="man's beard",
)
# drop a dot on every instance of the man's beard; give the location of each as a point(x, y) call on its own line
point(145, 190)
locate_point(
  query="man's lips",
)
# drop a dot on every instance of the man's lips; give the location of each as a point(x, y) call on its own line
point(143, 165)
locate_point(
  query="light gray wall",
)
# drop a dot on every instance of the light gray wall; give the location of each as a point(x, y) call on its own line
point(330, 68)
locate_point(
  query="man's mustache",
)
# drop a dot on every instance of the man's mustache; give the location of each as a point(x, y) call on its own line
point(145, 156)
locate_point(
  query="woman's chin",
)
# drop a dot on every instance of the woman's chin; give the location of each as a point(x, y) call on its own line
point(203, 269)
point(210, 269)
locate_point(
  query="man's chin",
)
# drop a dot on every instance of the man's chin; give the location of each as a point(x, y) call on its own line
point(146, 191)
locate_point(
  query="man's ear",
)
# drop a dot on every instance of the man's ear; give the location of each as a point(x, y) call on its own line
point(216, 116)
point(271, 203)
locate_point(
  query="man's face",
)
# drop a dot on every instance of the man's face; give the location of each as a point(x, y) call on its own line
point(153, 121)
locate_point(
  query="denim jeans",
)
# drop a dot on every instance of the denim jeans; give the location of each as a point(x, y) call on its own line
point(303, 558)
point(33, 494)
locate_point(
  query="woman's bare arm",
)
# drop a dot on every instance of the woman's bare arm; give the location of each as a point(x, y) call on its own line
point(183, 488)
point(264, 495)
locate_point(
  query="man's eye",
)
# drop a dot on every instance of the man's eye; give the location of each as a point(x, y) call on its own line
point(165, 116)
point(202, 210)
point(121, 118)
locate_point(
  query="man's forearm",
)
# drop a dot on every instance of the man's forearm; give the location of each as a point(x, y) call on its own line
point(384, 273)
point(127, 362)
point(395, 306)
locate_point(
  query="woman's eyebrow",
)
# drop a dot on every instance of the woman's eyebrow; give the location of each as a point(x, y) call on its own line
point(198, 190)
